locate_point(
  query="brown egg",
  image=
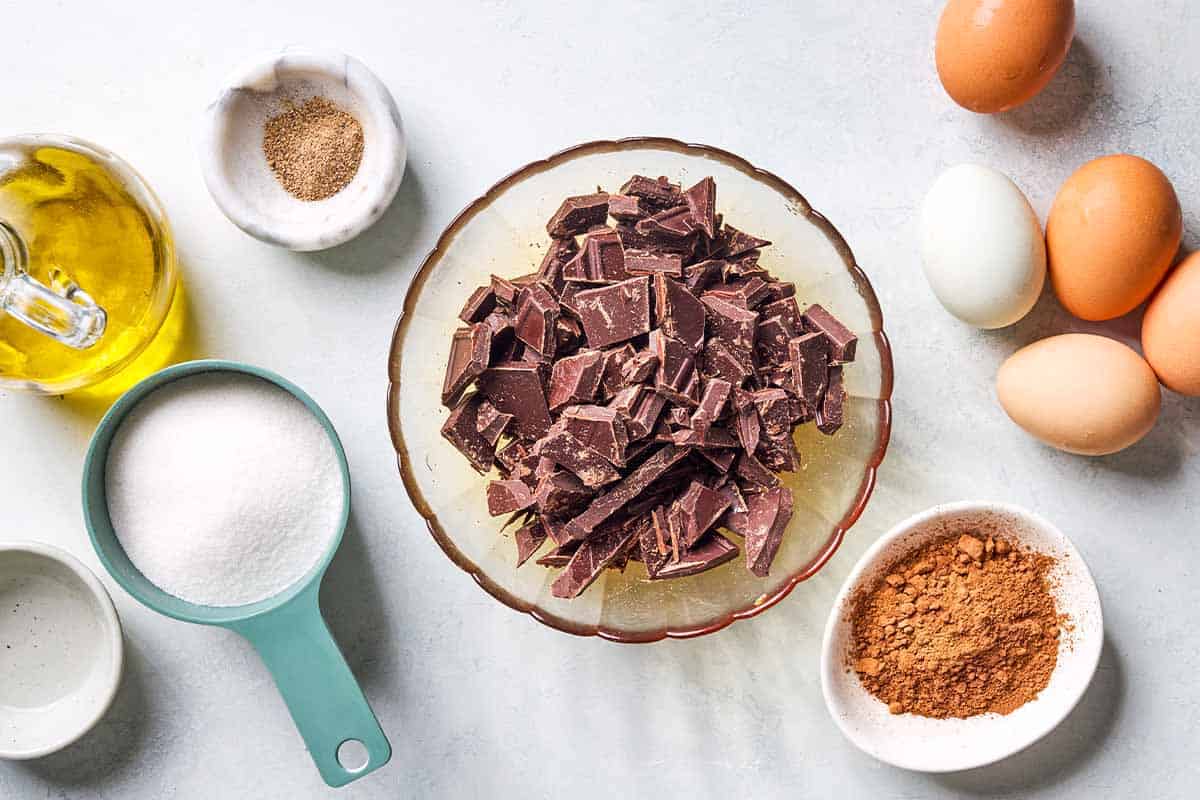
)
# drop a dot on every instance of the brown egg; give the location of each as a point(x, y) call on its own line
point(1171, 329)
point(1111, 235)
point(1080, 393)
point(993, 55)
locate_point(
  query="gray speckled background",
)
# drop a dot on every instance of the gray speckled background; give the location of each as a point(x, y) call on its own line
point(839, 98)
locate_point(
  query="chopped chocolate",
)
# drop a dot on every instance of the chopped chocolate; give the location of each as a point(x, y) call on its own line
point(632, 422)
point(831, 412)
point(616, 313)
point(645, 262)
point(702, 203)
point(470, 352)
point(712, 551)
point(679, 313)
point(481, 303)
point(530, 537)
point(507, 496)
point(660, 193)
point(577, 214)
point(842, 341)
point(588, 465)
point(515, 387)
point(625, 206)
point(576, 379)
point(461, 429)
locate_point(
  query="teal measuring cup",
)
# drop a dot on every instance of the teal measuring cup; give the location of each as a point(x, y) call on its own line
point(339, 729)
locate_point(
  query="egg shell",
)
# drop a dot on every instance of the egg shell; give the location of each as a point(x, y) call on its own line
point(994, 55)
point(982, 247)
point(1080, 393)
point(1171, 329)
point(1111, 236)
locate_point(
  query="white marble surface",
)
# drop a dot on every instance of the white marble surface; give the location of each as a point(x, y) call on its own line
point(839, 98)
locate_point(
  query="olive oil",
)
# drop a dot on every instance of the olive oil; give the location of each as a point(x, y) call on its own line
point(90, 232)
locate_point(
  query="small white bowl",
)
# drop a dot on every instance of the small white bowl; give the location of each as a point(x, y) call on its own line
point(61, 652)
point(242, 183)
point(947, 745)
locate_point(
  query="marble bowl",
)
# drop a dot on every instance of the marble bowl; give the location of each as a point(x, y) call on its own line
point(242, 183)
point(61, 650)
point(925, 744)
point(504, 232)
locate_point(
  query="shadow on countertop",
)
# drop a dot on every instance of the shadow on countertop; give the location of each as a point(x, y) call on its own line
point(1065, 102)
point(110, 749)
point(1065, 751)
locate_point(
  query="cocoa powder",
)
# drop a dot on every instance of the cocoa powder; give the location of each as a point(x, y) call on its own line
point(962, 626)
point(313, 148)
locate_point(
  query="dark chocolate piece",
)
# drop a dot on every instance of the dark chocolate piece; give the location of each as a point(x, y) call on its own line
point(576, 379)
point(461, 429)
point(592, 558)
point(712, 551)
point(778, 453)
point(831, 412)
point(660, 193)
point(702, 202)
point(616, 313)
point(565, 450)
point(507, 496)
point(604, 256)
point(560, 494)
point(504, 290)
point(842, 341)
point(676, 366)
point(625, 491)
point(765, 523)
point(491, 423)
point(772, 342)
point(810, 367)
point(655, 542)
point(537, 312)
point(698, 509)
point(698, 277)
point(613, 379)
point(625, 401)
point(550, 272)
point(640, 368)
point(735, 243)
point(718, 360)
point(577, 214)
point(515, 387)
point(645, 262)
point(625, 206)
point(748, 427)
point(712, 403)
point(679, 313)
point(470, 352)
point(645, 414)
point(673, 224)
point(735, 327)
point(481, 303)
point(559, 556)
point(530, 537)
point(722, 458)
point(753, 471)
point(600, 429)
point(774, 411)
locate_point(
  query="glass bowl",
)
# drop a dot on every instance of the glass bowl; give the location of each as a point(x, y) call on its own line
point(503, 232)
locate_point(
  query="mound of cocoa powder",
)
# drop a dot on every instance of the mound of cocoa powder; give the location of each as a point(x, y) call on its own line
point(964, 625)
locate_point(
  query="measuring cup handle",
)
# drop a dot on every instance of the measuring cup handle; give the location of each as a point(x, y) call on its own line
point(321, 692)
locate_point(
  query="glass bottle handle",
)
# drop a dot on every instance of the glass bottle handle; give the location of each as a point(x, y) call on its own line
point(71, 316)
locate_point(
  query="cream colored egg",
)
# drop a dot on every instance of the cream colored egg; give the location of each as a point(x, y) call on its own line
point(981, 246)
point(1080, 393)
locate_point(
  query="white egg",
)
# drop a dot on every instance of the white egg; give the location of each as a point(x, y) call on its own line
point(982, 246)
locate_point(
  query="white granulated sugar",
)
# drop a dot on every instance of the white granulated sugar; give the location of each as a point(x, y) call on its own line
point(223, 489)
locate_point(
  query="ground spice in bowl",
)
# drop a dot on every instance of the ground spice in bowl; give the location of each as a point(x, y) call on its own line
point(314, 148)
point(963, 625)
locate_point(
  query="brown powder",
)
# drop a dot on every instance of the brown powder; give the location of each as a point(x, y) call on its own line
point(962, 626)
point(314, 148)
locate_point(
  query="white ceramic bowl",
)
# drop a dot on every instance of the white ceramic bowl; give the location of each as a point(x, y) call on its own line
point(61, 652)
point(946, 745)
point(241, 181)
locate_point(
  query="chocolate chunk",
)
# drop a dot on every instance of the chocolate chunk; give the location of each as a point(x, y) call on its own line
point(733, 326)
point(625, 401)
point(505, 497)
point(615, 360)
point(504, 290)
point(645, 262)
point(530, 537)
point(512, 454)
point(560, 494)
point(604, 256)
point(600, 429)
point(842, 341)
point(461, 429)
point(831, 412)
point(787, 309)
point(772, 343)
point(470, 351)
point(735, 243)
point(712, 551)
point(763, 526)
point(712, 403)
point(722, 459)
point(810, 367)
point(577, 214)
point(626, 490)
point(698, 508)
point(645, 414)
point(565, 450)
point(778, 453)
point(679, 313)
point(778, 290)
point(702, 203)
point(537, 312)
point(568, 334)
point(707, 438)
point(640, 368)
point(616, 313)
point(748, 426)
point(698, 277)
point(673, 224)
point(481, 303)
point(592, 558)
point(515, 387)
point(625, 206)
point(655, 542)
point(550, 273)
point(719, 361)
point(660, 193)
point(676, 366)
point(753, 471)
point(744, 266)
point(559, 556)
point(491, 423)
point(576, 379)
point(774, 411)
